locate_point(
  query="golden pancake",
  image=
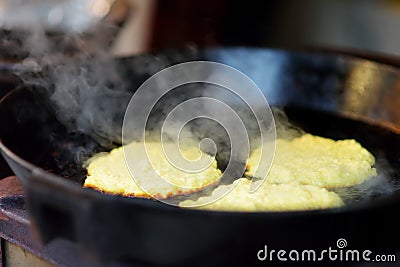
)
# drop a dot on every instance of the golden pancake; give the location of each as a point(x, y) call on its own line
point(109, 173)
point(269, 197)
point(314, 160)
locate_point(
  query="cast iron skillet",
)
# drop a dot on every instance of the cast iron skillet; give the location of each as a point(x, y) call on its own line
point(329, 95)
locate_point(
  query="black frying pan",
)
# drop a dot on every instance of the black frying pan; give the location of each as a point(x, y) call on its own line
point(328, 95)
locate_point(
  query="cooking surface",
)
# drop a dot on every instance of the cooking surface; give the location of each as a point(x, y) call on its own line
point(119, 213)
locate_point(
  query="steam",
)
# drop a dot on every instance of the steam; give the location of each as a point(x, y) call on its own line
point(284, 128)
point(84, 99)
point(79, 77)
point(372, 188)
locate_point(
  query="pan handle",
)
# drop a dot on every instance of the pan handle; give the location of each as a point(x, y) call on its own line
point(59, 217)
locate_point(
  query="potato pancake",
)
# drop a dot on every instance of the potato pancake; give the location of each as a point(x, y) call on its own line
point(302, 170)
point(314, 160)
point(109, 173)
point(269, 197)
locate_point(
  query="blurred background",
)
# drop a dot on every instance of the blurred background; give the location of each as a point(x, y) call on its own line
point(134, 26)
point(52, 30)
